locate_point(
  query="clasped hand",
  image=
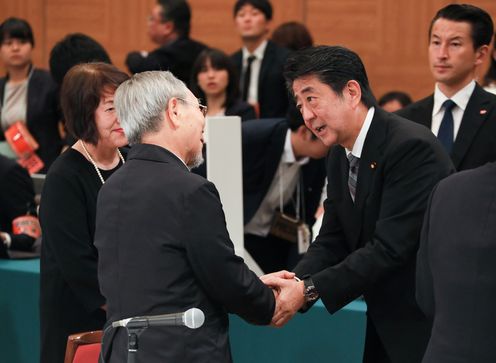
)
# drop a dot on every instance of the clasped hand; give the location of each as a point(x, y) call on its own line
point(289, 295)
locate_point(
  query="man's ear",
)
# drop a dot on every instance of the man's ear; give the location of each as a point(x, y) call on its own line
point(353, 92)
point(172, 112)
point(480, 54)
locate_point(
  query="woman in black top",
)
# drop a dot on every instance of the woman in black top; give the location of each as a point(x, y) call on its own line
point(70, 299)
point(28, 94)
point(215, 81)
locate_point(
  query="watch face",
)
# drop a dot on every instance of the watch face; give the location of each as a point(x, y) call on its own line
point(311, 293)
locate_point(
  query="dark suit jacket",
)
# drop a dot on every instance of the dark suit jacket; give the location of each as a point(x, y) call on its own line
point(241, 109)
point(263, 145)
point(177, 57)
point(456, 278)
point(370, 247)
point(475, 143)
point(163, 248)
point(273, 96)
point(16, 196)
point(43, 115)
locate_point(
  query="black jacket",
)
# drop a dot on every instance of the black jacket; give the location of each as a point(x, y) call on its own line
point(43, 115)
point(475, 143)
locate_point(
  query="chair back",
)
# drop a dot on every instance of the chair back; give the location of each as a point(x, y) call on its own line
point(83, 347)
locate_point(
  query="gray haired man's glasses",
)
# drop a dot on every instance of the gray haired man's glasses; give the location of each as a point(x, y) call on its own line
point(203, 108)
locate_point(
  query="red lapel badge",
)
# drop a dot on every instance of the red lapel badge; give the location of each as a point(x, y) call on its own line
point(483, 112)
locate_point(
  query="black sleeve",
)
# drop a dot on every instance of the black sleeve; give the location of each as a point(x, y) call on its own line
point(65, 225)
point(424, 291)
point(16, 197)
point(223, 274)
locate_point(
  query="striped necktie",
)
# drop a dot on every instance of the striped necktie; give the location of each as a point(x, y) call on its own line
point(353, 174)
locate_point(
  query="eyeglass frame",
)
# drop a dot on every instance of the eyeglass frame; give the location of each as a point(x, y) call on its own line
point(203, 108)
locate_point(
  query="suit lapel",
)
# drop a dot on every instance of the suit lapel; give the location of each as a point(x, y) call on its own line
point(424, 112)
point(370, 159)
point(478, 108)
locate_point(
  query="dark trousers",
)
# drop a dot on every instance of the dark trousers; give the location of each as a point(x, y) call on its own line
point(374, 351)
point(272, 253)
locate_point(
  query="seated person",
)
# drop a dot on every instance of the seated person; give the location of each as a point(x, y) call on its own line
point(16, 199)
point(28, 94)
point(75, 48)
point(283, 171)
point(168, 27)
point(214, 79)
point(394, 101)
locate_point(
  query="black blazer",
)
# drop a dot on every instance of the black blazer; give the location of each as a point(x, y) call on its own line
point(263, 145)
point(177, 57)
point(370, 247)
point(43, 115)
point(475, 143)
point(456, 278)
point(164, 248)
point(16, 196)
point(273, 97)
point(241, 109)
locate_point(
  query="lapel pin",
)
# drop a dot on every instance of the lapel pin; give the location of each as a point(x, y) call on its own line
point(373, 165)
point(483, 112)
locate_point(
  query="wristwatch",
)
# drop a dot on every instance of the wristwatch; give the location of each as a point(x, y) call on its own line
point(309, 291)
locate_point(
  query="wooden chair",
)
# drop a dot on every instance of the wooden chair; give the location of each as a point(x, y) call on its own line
point(83, 347)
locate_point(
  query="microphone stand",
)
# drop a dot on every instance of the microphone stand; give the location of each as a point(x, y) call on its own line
point(133, 343)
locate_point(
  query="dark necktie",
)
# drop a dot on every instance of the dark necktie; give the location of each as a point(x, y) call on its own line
point(446, 129)
point(247, 77)
point(353, 174)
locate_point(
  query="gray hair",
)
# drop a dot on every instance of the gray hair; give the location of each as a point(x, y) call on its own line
point(140, 102)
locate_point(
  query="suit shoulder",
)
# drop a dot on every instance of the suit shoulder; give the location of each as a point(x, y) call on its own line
point(412, 109)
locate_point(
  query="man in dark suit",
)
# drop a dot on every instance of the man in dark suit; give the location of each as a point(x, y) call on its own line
point(169, 27)
point(381, 170)
point(161, 232)
point(456, 279)
point(282, 164)
point(260, 62)
point(460, 113)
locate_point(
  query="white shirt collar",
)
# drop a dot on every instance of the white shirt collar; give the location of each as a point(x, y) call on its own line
point(461, 98)
point(288, 155)
point(360, 140)
point(259, 52)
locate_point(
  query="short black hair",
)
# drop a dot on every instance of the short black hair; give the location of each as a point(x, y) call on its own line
point(82, 90)
point(179, 12)
point(74, 49)
point(480, 21)
point(403, 98)
point(219, 60)
point(263, 5)
point(332, 65)
point(16, 28)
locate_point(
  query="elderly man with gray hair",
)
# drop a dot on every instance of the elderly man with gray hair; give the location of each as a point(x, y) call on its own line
point(161, 233)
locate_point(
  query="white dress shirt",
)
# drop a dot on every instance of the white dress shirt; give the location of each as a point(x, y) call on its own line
point(360, 140)
point(256, 65)
point(461, 99)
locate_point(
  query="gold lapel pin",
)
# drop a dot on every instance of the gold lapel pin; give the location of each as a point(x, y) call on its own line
point(373, 165)
point(483, 112)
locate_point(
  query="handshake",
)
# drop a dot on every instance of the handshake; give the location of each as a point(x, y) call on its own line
point(289, 293)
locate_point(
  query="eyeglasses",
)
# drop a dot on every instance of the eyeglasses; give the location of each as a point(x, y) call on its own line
point(203, 108)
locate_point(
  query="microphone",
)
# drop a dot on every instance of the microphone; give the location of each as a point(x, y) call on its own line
point(192, 318)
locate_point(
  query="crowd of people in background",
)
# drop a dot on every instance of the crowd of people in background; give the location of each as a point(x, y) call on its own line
point(298, 103)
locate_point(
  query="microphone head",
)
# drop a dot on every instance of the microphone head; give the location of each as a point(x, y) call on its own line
point(193, 318)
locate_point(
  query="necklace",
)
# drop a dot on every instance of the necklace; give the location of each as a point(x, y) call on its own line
point(94, 163)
